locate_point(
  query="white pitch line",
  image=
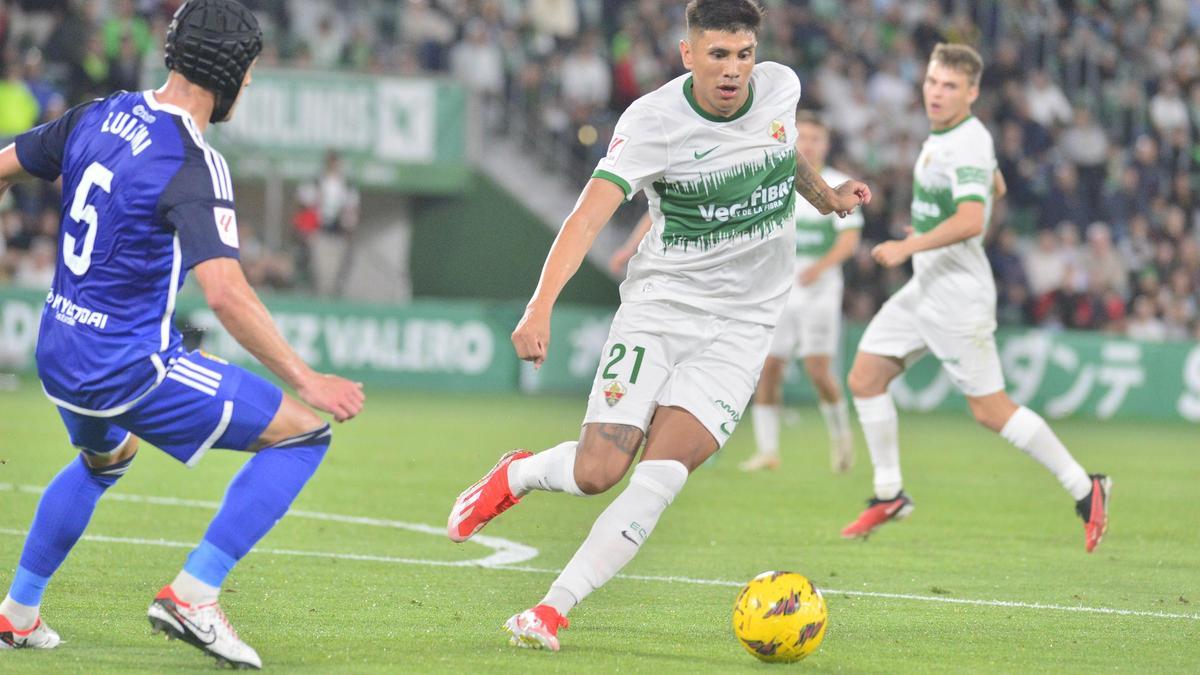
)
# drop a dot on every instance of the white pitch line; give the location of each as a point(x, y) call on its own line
point(504, 552)
point(171, 501)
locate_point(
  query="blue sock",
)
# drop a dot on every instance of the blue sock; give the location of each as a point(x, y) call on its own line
point(257, 498)
point(62, 515)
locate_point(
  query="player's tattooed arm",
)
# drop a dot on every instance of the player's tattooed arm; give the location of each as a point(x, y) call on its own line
point(812, 187)
point(841, 200)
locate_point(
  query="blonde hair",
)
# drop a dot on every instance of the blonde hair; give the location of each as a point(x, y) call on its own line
point(961, 58)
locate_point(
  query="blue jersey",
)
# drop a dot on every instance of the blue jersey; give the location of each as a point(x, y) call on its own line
point(144, 200)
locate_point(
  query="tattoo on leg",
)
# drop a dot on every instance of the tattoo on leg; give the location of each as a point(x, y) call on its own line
point(627, 439)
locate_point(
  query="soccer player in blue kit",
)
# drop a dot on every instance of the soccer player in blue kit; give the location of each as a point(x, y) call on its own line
point(145, 200)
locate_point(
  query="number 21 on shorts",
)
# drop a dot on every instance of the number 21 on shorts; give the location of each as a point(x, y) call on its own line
point(616, 354)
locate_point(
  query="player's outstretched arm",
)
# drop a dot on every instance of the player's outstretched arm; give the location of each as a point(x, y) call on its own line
point(10, 168)
point(841, 200)
point(241, 313)
point(597, 203)
point(618, 261)
point(966, 222)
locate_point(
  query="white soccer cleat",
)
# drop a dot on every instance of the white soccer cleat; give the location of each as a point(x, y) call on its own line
point(536, 628)
point(40, 636)
point(202, 626)
point(760, 461)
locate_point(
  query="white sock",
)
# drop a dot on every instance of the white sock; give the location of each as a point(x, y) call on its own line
point(193, 591)
point(837, 418)
point(619, 532)
point(551, 470)
point(877, 415)
point(1029, 432)
point(21, 616)
point(766, 427)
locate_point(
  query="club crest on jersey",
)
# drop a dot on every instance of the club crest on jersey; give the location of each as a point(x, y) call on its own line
point(613, 393)
point(226, 225)
point(778, 131)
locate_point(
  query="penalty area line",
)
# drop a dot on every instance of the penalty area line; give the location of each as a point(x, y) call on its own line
point(642, 577)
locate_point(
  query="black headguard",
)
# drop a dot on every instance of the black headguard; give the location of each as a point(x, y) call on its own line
point(212, 43)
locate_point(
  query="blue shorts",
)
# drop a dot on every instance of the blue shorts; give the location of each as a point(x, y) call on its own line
point(202, 403)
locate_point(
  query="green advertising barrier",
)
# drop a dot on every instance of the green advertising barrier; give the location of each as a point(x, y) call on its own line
point(406, 133)
point(464, 345)
point(1061, 374)
point(448, 346)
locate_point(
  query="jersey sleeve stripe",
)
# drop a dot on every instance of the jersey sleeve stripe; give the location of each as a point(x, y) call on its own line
point(219, 190)
point(223, 169)
point(970, 198)
point(614, 179)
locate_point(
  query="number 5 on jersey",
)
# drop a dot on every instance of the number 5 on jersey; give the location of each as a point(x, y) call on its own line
point(82, 212)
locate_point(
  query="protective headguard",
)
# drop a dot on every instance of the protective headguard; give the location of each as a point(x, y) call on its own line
point(212, 43)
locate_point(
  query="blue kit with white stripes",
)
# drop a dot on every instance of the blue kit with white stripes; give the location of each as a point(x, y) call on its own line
point(145, 200)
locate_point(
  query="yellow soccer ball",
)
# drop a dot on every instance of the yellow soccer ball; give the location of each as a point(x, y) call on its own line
point(780, 616)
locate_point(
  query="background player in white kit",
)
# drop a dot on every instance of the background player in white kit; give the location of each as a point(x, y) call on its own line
point(949, 306)
point(714, 153)
point(811, 324)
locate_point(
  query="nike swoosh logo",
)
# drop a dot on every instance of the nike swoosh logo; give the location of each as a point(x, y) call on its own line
point(702, 155)
point(724, 430)
point(210, 632)
point(625, 533)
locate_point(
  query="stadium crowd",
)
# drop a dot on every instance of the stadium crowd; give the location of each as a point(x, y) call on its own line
point(1094, 106)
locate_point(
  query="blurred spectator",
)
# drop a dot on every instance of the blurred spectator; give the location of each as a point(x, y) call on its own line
point(1101, 263)
point(1145, 324)
point(1085, 145)
point(1065, 201)
point(1046, 265)
point(127, 24)
point(1168, 112)
point(478, 63)
point(1048, 105)
point(18, 107)
point(586, 80)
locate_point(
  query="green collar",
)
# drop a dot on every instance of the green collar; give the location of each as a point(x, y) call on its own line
point(949, 129)
point(691, 99)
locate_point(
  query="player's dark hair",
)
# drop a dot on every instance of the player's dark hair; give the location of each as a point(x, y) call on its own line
point(729, 16)
point(810, 117)
point(212, 43)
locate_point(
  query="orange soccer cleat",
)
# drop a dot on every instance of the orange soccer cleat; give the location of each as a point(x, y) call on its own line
point(484, 500)
point(1094, 511)
point(878, 512)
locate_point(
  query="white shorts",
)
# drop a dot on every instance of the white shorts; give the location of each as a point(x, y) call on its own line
point(664, 353)
point(964, 341)
point(811, 323)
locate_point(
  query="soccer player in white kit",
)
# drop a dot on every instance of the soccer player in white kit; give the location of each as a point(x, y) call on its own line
point(713, 151)
point(949, 306)
point(811, 324)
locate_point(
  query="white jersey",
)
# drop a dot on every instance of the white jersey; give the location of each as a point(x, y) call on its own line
point(816, 233)
point(955, 165)
point(720, 196)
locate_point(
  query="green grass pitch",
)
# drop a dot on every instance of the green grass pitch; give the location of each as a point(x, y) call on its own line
point(338, 594)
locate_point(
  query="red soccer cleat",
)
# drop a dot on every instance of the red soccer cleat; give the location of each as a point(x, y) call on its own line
point(1094, 511)
point(536, 628)
point(484, 500)
point(879, 511)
